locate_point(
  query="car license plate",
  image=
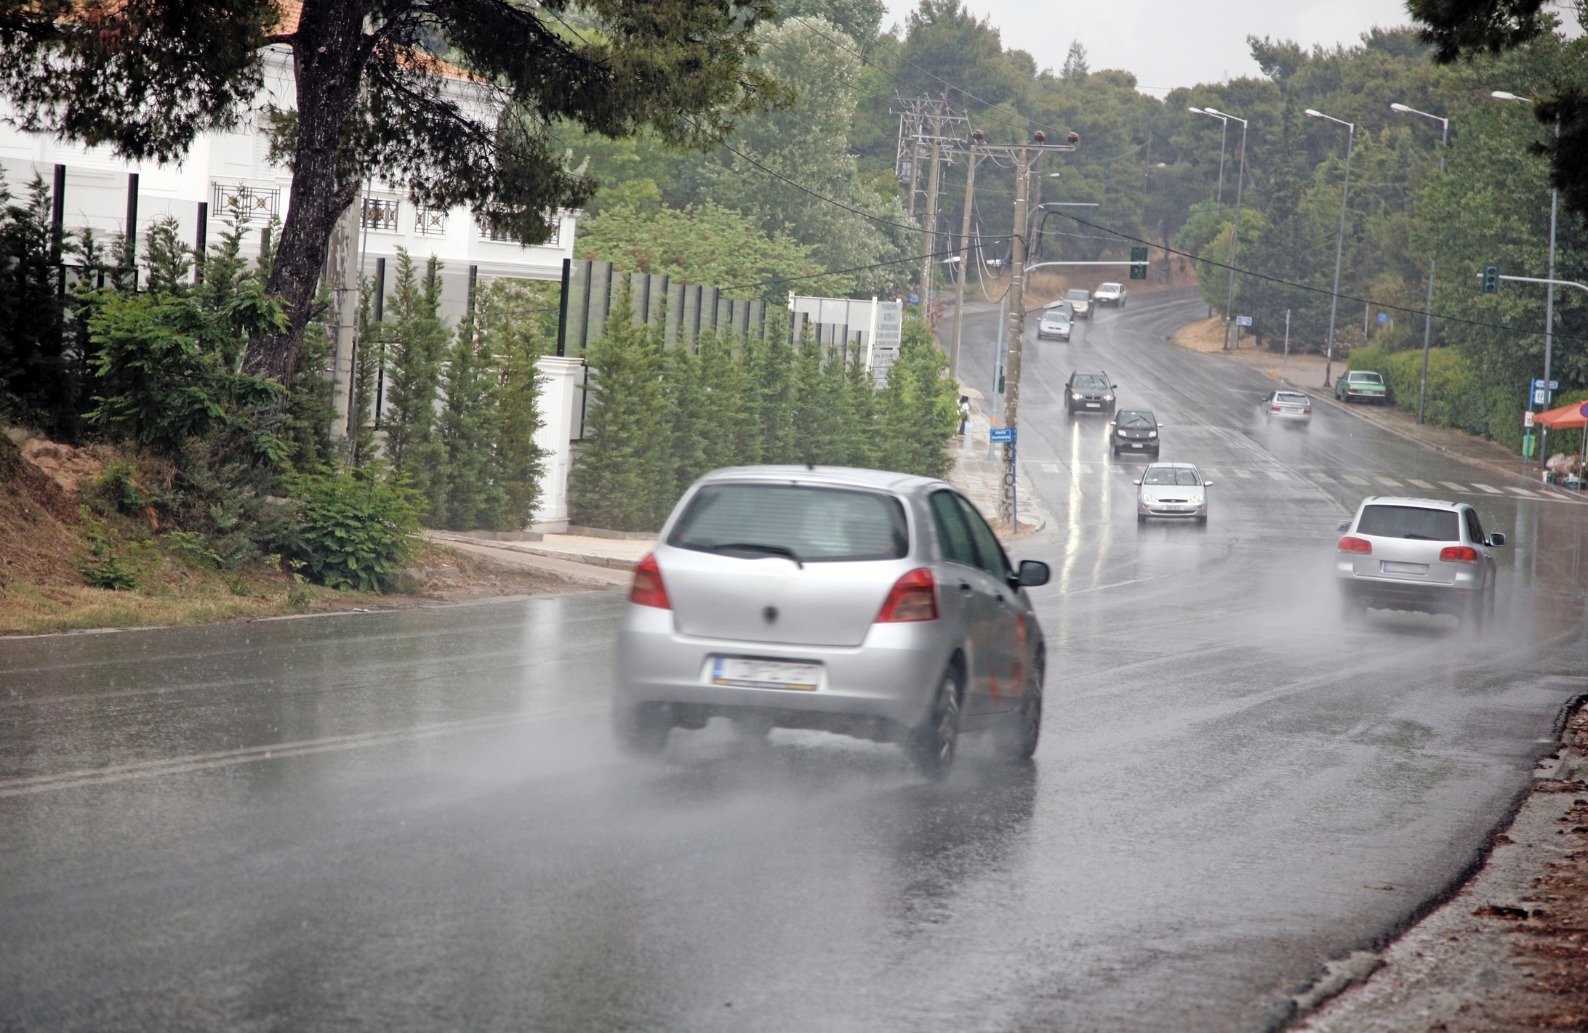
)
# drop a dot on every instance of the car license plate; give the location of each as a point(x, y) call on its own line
point(767, 674)
point(1094, 405)
point(1391, 567)
point(1138, 444)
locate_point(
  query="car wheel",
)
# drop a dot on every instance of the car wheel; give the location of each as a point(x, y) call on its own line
point(935, 742)
point(641, 729)
point(1202, 521)
point(1477, 614)
point(1017, 738)
point(1141, 518)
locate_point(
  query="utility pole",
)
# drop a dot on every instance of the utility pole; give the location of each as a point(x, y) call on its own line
point(964, 255)
point(930, 252)
point(1017, 323)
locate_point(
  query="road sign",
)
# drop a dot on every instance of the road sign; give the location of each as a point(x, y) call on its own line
point(1243, 320)
point(1001, 435)
point(1538, 382)
point(1527, 419)
point(1382, 318)
point(1583, 409)
point(1540, 396)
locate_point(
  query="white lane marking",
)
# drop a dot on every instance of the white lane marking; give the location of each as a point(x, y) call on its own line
point(1050, 467)
point(1279, 475)
point(1389, 481)
point(1485, 487)
point(1521, 491)
point(29, 784)
point(1351, 478)
point(1239, 472)
point(1420, 484)
point(1453, 486)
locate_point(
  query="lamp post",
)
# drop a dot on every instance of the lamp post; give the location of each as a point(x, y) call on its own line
point(1339, 247)
point(1235, 230)
point(1218, 199)
point(1549, 290)
point(1433, 260)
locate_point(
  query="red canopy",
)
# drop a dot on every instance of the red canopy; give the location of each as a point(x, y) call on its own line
point(1567, 417)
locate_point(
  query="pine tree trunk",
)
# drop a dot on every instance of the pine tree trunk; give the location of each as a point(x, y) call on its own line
point(329, 55)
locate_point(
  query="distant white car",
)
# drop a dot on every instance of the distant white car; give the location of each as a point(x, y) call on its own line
point(1080, 301)
point(1173, 491)
point(1055, 322)
point(1109, 294)
point(1288, 405)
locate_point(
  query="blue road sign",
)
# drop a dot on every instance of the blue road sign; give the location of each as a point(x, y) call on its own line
point(1243, 320)
point(1001, 435)
point(1382, 318)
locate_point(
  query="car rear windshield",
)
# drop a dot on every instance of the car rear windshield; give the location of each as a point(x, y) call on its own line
point(801, 521)
point(1290, 398)
point(1091, 381)
point(1366, 378)
point(1433, 525)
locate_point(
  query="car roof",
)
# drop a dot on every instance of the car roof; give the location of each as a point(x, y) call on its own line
point(1056, 313)
point(1176, 466)
point(1132, 412)
point(1088, 373)
point(1400, 500)
point(824, 476)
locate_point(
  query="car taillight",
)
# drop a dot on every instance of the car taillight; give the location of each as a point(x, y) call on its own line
point(1306, 410)
point(648, 589)
point(1274, 408)
point(1350, 544)
point(912, 598)
point(1458, 554)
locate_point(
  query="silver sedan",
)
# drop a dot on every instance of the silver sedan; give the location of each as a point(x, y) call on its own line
point(875, 604)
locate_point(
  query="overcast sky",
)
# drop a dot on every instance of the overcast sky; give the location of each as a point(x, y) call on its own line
point(1169, 43)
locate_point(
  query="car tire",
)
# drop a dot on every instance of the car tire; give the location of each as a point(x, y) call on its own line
point(1476, 617)
point(934, 743)
point(1202, 521)
point(1017, 737)
point(1141, 518)
point(641, 729)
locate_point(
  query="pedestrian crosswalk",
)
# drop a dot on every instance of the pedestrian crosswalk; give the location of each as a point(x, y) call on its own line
point(1367, 484)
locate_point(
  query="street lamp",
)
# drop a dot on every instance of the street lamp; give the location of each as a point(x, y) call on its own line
point(1223, 135)
point(1339, 246)
point(1235, 232)
point(1549, 290)
point(1433, 260)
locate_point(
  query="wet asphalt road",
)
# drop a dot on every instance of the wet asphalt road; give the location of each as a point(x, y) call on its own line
point(415, 820)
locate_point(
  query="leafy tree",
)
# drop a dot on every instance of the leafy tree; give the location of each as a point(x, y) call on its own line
point(1075, 68)
point(147, 78)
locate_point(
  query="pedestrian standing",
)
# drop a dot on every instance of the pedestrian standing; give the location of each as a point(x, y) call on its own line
point(964, 413)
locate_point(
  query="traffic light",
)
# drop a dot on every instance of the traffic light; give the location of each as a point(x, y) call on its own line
point(1138, 262)
point(1491, 278)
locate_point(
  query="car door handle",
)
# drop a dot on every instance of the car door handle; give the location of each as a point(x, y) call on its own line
point(964, 587)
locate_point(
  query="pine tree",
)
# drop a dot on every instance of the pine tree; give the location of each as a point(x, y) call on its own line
point(623, 478)
point(690, 405)
point(467, 418)
point(723, 417)
point(417, 342)
point(772, 375)
point(306, 430)
point(369, 352)
point(861, 442)
point(511, 334)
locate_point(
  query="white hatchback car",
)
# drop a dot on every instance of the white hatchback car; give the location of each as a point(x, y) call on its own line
point(1175, 491)
point(874, 604)
point(1417, 554)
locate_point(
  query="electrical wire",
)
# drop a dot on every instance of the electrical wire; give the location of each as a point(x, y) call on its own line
point(1308, 288)
point(840, 272)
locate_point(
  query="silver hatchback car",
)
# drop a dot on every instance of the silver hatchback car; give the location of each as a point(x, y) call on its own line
point(1417, 554)
point(874, 604)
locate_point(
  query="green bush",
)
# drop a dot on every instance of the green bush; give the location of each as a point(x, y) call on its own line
point(107, 563)
point(352, 528)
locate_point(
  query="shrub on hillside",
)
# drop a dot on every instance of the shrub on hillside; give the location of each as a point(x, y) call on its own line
point(351, 529)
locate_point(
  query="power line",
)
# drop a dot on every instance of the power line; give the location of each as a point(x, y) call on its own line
point(1308, 288)
point(839, 272)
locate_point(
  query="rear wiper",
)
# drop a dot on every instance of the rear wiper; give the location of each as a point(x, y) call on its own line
point(770, 550)
point(1422, 537)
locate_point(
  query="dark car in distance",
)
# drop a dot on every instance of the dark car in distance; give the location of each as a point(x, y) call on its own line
point(1089, 392)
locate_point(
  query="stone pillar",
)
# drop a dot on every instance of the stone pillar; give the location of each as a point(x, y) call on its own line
point(559, 422)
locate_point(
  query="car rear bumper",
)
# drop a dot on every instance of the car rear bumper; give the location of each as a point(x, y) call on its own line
point(889, 679)
point(1365, 396)
point(1382, 594)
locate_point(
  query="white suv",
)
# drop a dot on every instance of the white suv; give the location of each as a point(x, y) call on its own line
point(1417, 554)
point(1109, 294)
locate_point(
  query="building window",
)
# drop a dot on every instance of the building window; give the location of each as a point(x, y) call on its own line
point(430, 222)
point(489, 233)
point(250, 203)
point(379, 213)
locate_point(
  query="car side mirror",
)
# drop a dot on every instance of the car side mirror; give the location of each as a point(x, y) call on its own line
point(1496, 540)
point(1207, 483)
point(1345, 525)
point(1031, 574)
point(1136, 481)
